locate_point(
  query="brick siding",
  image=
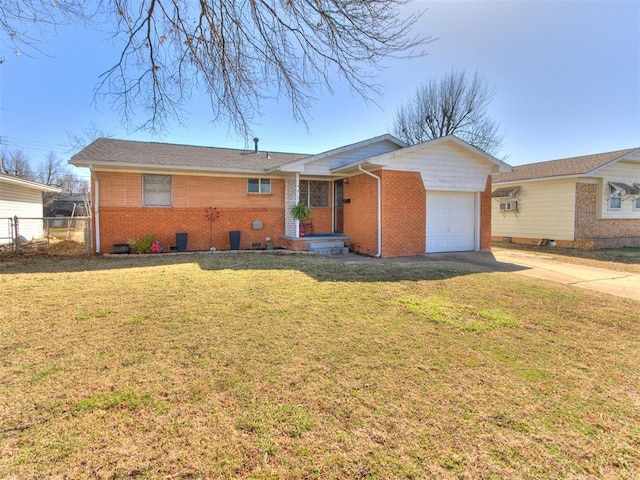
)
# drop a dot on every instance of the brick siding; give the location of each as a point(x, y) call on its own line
point(404, 204)
point(360, 214)
point(123, 218)
point(485, 216)
point(592, 232)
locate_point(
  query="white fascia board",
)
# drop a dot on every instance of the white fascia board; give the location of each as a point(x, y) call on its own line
point(298, 165)
point(540, 179)
point(170, 169)
point(29, 184)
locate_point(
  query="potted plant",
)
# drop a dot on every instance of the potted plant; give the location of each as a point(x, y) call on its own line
point(300, 212)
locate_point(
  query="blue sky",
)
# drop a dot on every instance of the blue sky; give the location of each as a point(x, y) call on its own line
point(566, 76)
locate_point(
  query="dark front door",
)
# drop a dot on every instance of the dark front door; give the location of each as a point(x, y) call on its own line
point(338, 197)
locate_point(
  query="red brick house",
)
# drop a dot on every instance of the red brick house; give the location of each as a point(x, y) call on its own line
point(380, 196)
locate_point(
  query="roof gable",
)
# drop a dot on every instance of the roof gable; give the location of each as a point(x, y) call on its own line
point(586, 165)
point(385, 159)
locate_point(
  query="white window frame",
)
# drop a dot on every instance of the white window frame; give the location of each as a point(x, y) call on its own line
point(636, 202)
point(264, 186)
point(614, 194)
point(157, 190)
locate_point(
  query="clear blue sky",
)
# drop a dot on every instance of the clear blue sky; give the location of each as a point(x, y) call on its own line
point(566, 76)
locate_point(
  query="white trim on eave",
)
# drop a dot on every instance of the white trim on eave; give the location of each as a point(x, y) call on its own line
point(297, 164)
point(173, 169)
point(28, 184)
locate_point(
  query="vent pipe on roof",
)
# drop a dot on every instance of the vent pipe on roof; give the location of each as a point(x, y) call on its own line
point(255, 141)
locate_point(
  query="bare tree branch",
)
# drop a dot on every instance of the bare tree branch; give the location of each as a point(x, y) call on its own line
point(452, 104)
point(236, 52)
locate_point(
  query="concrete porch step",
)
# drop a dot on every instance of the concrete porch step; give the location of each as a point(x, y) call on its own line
point(330, 250)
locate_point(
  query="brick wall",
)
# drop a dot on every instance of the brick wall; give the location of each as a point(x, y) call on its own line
point(485, 217)
point(360, 214)
point(403, 214)
point(592, 232)
point(123, 218)
point(322, 219)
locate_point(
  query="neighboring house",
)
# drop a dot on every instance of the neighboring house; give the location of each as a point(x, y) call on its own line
point(23, 199)
point(591, 201)
point(386, 198)
point(67, 206)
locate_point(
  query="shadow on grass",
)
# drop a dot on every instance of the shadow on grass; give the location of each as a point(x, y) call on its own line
point(344, 268)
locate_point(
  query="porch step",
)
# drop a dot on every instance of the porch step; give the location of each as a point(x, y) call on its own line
point(327, 248)
point(330, 251)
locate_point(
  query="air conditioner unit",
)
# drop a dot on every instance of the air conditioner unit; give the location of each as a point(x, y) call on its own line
point(509, 206)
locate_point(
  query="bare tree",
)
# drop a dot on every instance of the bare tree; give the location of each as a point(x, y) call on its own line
point(50, 170)
point(452, 104)
point(17, 164)
point(77, 141)
point(237, 52)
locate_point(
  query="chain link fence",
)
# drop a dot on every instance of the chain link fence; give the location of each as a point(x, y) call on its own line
point(53, 235)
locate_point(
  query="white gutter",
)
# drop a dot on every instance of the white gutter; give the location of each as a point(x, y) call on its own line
point(96, 213)
point(379, 209)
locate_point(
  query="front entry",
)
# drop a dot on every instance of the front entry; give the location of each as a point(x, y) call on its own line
point(338, 206)
point(451, 221)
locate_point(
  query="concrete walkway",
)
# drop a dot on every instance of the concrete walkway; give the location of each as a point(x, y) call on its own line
point(621, 284)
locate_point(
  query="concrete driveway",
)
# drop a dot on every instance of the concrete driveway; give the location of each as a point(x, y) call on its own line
point(621, 284)
point(532, 264)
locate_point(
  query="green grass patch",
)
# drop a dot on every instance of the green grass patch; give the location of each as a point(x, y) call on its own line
point(265, 366)
point(119, 399)
point(461, 317)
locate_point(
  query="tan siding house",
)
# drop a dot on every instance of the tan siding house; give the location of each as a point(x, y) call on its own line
point(591, 201)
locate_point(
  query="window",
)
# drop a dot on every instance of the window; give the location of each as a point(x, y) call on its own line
point(259, 185)
point(636, 203)
point(314, 193)
point(615, 198)
point(156, 190)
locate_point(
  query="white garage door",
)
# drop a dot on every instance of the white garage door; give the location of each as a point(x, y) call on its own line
point(451, 221)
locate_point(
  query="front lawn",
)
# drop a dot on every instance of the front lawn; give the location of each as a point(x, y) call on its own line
point(260, 366)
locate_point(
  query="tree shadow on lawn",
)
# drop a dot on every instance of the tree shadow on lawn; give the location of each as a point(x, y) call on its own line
point(345, 268)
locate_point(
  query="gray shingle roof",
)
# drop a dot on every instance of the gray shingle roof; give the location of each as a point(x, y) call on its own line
point(562, 167)
point(107, 151)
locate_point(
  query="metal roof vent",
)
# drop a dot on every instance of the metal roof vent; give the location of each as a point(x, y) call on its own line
point(255, 141)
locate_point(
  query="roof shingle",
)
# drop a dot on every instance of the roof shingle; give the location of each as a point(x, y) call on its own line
point(106, 151)
point(562, 167)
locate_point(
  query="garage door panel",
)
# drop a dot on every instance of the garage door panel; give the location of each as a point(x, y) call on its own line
point(451, 221)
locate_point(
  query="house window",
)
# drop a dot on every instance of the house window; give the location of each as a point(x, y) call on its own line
point(615, 198)
point(259, 185)
point(156, 190)
point(314, 193)
point(636, 203)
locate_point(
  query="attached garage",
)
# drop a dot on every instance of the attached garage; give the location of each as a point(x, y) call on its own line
point(452, 222)
point(431, 197)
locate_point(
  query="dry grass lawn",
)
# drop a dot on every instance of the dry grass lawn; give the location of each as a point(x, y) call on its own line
point(262, 366)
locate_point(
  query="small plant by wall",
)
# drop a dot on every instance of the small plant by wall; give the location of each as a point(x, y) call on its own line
point(142, 245)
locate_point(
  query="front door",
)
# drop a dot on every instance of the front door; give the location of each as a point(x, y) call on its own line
point(338, 197)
